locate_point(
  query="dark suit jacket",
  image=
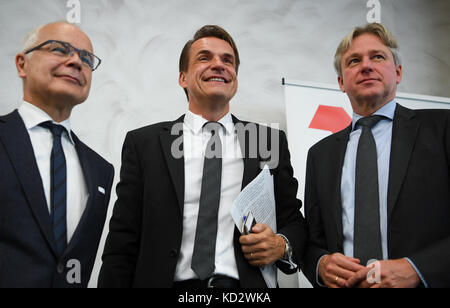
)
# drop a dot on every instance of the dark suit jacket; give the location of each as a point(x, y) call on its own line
point(27, 247)
point(145, 232)
point(418, 194)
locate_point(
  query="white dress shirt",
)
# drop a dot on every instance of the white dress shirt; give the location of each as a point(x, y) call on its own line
point(42, 142)
point(194, 143)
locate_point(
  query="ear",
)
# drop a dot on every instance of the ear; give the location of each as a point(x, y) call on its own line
point(341, 83)
point(182, 80)
point(21, 64)
point(399, 74)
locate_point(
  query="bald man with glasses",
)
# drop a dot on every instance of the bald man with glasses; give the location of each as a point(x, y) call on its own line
point(54, 190)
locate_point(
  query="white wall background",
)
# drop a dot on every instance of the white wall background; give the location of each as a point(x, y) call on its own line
point(140, 42)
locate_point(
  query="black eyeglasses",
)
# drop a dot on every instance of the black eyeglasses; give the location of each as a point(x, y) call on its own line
point(64, 49)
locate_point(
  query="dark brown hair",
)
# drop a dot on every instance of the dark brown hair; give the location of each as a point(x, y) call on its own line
point(208, 31)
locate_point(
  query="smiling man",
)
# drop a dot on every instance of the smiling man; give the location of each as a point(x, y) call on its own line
point(380, 189)
point(54, 190)
point(211, 81)
point(172, 225)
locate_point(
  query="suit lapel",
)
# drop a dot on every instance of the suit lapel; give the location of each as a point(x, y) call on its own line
point(20, 151)
point(172, 135)
point(404, 133)
point(251, 163)
point(89, 174)
point(336, 173)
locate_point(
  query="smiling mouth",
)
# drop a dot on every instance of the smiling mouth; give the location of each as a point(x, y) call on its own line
point(73, 79)
point(216, 79)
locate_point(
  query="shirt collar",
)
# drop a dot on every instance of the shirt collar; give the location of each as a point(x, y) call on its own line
point(32, 116)
point(387, 111)
point(196, 122)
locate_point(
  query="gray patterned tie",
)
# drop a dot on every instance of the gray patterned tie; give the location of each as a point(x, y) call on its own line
point(367, 234)
point(203, 258)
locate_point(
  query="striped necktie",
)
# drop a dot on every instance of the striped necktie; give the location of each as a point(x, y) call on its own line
point(58, 188)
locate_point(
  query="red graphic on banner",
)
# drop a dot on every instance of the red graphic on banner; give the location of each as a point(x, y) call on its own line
point(333, 119)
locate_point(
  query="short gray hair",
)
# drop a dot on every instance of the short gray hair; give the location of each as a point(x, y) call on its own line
point(31, 39)
point(373, 28)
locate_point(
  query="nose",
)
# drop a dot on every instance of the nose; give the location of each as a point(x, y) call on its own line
point(366, 64)
point(217, 64)
point(74, 61)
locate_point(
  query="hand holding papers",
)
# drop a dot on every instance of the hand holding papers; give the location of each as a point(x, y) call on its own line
point(258, 198)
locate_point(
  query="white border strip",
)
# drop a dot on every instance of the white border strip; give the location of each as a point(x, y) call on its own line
point(333, 87)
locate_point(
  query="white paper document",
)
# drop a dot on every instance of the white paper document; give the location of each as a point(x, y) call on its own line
point(258, 197)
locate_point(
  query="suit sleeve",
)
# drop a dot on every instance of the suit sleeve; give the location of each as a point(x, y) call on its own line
point(316, 245)
point(290, 221)
point(122, 244)
point(434, 262)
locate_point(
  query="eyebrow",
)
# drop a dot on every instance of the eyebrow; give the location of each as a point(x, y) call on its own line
point(378, 51)
point(371, 52)
point(208, 52)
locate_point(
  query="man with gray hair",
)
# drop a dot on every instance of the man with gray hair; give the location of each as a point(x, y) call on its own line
point(54, 190)
point(378, 192)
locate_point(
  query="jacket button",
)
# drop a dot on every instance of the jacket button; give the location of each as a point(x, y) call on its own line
point(174, 253)
point(60, 268)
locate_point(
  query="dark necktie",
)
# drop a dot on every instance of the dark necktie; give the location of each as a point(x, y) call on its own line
point(203, 258)
point(58, 187)
point(367, 234)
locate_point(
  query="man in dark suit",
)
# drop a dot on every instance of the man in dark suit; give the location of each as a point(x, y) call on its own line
point(171, 225)
point(380, 189)
point(54, 190)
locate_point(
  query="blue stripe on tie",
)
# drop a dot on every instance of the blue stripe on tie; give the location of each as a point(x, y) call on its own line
point(59, 188)
point(59, 180)
point(60, 225)
point(60, 168)
point(60, 201)
point(58, 163)
point(59, 211)
point(59, 230)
